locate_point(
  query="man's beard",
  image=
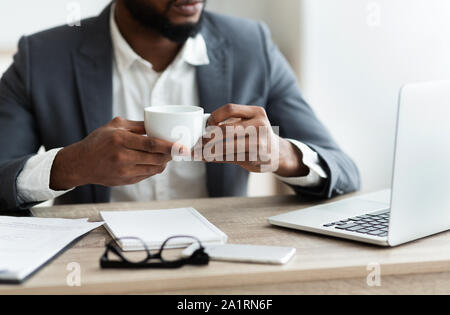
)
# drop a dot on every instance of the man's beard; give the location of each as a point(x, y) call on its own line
point(150, 18)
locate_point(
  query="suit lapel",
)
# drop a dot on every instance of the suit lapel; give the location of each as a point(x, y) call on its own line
point(94, 79)
point(93, 68)
point(214, 87)
point(214, 79)
point(93, 71)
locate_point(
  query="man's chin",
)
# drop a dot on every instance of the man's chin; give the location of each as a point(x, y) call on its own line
point(181, 21)
point(177, 19)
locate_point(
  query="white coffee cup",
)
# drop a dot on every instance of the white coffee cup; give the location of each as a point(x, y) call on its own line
point(176, 123)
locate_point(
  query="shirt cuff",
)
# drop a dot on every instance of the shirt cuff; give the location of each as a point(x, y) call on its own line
point(311, 159)
point(33, 182)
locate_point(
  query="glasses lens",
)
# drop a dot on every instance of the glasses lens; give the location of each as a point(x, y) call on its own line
point(137, 252)
point(172, 250)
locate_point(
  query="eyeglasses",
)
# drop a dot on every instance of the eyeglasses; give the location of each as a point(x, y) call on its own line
point(164, 258)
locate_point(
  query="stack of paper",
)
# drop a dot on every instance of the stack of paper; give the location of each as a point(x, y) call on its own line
point(155, 226)
point(26, 244)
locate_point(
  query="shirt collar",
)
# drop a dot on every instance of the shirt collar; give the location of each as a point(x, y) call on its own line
point(194, 51)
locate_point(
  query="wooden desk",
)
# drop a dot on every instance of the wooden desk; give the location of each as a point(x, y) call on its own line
point(322, 264)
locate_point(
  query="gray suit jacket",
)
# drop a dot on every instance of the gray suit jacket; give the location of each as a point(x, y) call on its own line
point(59, 89)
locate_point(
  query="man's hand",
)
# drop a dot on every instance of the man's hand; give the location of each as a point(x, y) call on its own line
point(254, 148)
point(116, 154)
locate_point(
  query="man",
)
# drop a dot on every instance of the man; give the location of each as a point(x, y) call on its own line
point(66, 85)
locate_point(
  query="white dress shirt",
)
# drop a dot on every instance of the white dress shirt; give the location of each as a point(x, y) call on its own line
point(135, 86)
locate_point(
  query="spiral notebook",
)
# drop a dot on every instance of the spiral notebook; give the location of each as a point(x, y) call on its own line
point(155, 226)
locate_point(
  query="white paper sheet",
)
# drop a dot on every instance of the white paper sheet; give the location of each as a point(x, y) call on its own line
point(28, 243)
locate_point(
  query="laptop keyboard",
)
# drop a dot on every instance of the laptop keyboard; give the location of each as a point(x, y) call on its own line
point(375, 224)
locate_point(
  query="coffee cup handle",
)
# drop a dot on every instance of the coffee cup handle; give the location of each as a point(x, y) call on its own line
point(205, 121)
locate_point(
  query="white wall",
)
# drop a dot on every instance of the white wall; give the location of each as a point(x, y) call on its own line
point(282, 17)
point(356, 55)
point(19, 17)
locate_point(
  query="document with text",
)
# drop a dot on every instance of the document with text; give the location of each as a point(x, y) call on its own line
point(26, 244)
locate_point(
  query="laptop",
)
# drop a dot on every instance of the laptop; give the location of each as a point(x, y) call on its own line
point(418, 204)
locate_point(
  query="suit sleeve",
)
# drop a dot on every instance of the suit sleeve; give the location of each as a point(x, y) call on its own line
point(287, 109)
point(19, 138)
